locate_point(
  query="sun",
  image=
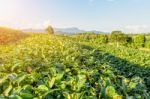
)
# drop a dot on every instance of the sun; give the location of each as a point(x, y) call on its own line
point(8, 8)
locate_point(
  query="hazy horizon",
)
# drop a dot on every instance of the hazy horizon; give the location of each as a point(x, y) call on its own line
point(101, 15)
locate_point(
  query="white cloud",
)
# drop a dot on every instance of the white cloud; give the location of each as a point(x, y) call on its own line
point(137, 28)
point(37, 25)
point(46, 23)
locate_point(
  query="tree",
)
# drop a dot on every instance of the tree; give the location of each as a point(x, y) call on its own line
point(118, 37)
point(103, 38)
point(139, 40)
point(50, 30)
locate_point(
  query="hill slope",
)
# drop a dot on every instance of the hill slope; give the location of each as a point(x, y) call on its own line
point(8, 35)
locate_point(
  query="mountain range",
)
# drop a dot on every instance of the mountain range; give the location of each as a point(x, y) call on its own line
point(72, 30)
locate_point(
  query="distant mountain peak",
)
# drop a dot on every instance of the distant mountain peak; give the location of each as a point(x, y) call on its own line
point(70, 30)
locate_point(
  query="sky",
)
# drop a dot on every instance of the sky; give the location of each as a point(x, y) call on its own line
point(102, 15)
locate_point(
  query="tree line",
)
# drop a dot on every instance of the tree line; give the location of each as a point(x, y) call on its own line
point(118, 38)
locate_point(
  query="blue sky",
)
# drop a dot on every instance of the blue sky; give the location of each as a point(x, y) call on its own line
point(103, 15)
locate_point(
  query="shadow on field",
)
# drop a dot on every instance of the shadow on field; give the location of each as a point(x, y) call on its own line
point(123, 67)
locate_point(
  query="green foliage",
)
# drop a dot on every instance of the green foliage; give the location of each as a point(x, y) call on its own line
point(102, 38)
point(91, 37)
point(139, 40)
point(59, 67)
point(147, 42)
point(118, 37)
point(110, 91)
point(86, 36)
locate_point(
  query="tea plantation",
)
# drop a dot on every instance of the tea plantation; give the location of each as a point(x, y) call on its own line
point(44, 66)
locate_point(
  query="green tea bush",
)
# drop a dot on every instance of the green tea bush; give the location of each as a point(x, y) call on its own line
point(101, 38)
point(46, 66)
point(139, 40)
point(118, 37)
point(147, 42)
